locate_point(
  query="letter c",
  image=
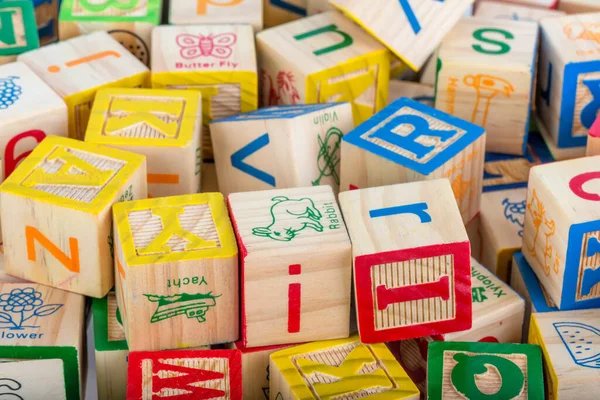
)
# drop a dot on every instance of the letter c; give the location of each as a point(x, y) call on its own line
point(577, 182)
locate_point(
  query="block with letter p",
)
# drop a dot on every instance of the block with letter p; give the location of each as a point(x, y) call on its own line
point(412, 266)
point(56, 213)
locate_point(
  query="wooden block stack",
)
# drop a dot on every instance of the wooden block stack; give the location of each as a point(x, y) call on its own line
point(18, 31)
point(217, 12)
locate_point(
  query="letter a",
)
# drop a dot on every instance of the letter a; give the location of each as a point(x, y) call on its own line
point(32, 234)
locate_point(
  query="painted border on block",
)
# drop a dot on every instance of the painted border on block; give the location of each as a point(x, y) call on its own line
point(574, 252)
point(100, 321)
point(278, 112)
point(153, 15)
point(29, 26)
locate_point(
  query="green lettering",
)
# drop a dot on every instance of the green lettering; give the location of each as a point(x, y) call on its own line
point(497, 47)
point(327, 29)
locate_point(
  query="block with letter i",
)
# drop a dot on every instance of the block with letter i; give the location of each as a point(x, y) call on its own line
point(192, 374)
point(217, 60)
point(177, 272)
point(295, 265)
point(490, 81)
point(284, 146)
point(412, 265)
point(562, 231)
point(18, 30)
point(277, 12)
point(333, 61)
point(460, 370)
point(217, 12)
point(78, 67)
point(41, 342)
point(56, 213)
point(409, 141)
point(163, 125)
point(343, 368)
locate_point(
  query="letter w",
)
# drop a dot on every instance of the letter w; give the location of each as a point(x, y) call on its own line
point(32, 234)
point(167, 378)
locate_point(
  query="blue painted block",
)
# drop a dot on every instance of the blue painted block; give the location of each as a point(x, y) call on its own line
point(276, 112)
point(540, 301)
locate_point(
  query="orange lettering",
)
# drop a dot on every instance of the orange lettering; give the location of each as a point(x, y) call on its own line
point(122, 277)
point(32, 234)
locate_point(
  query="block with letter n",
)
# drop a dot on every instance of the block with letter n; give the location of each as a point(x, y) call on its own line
point(409, 141)
point(176, 272)
point(57, 213)
point(163, 125)
point(200, 12)
point(412, 265)
point(18, 30)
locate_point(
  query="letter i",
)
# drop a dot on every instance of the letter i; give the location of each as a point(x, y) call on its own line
point(294, 300)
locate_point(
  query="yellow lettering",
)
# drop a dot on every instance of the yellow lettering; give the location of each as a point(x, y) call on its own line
point(161, 115)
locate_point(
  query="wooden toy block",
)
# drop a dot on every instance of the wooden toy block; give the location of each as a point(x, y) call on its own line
point(281, 147)
point(515, 12)
point(78, 67)
point(568, 99)
point(472, 227)
point(56, 213)
point(217, 12)
point(502, 221)
point(409, 141)
point(560, 239)
point(130, 22)
point(559, 153)
point(111, 349)
point(411, 261)
point(318, 6)
point(46, 18)
point(488, 79)
point(296, 265)
point(163, 125)
point(578, 6)
point(524, 281)
point(593, 141)
point(217, 60)
point(209, 178)
point(277, 12)
point(41, 323)
point(331, 369)
point(418, 27)
point(193, 374)
point(569, 343)
point(414, 91)
point(324, 58)
point(18, 31)
point(484, 370)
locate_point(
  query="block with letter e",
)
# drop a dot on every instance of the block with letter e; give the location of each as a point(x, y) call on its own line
point(56, 213)
point(176, 272)
point(412, 265)
point(409, 141)
point(163, 125)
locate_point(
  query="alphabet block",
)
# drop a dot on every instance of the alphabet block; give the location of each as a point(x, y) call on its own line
point(18, 31)
point(569, 343)
point(562, 227)
point(515, 12)
point(217, 12)
point(46, 17)
point(296, 265)
point(78, 67)
point(333, 61)
point(41, 323)
point(129, 22)
point(163, 125)
point(330, 368)
point(558, 153)
point(593, 141)
point(578, 6)
point(295, 146)
point(197, 374)
point(417, 29)
point(411, 261)
point(277, 12)
point(409, 141)
point(177, 272)
point(217, 60)
point(56, 213)
point(568, 86)
point(415, 91)
point(480, 370)
point(502, 221)
point(489, 79)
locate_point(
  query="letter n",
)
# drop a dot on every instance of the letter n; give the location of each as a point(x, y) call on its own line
point(347, 39)
point(72, 264)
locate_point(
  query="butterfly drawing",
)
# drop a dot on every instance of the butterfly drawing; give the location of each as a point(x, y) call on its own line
point(193, 46)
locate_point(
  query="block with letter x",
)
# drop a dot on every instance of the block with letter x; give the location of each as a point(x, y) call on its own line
point(412, 267)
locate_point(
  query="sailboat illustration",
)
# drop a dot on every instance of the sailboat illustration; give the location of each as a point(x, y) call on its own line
point(487, 87)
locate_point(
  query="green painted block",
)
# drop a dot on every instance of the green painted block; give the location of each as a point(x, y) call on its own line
point(111, 11)
point(487, 371)
point(101, 315)
point(18, 29)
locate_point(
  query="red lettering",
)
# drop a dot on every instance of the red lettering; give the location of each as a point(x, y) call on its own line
point(576, 185)
point(294, 301)
point(10, 162)
point(184, 378)
point(420, 291)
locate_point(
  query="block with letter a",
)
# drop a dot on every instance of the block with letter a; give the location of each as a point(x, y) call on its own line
point(322, 59)
point(331, 369)
point(185, 374)
point(409, 141)
point(412, 265)
point(198, 12)
point(163, 125)
point(295, 265)
point(57, 213)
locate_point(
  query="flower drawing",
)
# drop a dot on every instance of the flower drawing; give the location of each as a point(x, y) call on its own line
point(20, 305)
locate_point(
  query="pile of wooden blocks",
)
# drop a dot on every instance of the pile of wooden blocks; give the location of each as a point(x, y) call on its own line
point(300, 199)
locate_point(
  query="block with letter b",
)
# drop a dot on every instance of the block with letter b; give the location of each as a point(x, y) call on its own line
point(18, 30)
point(56, 213)
point(409, 141)
point(163, 125)
point(562, 231)
point(176, 271)
point(412, 265)
point(217, 12)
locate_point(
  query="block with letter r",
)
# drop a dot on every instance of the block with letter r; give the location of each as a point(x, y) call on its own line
point(409, 141)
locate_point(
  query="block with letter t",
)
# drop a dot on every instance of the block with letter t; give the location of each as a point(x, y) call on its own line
point(409, 141)
point(56, 213)
point(333, 61)
point(562, 231)
point(412, 265)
